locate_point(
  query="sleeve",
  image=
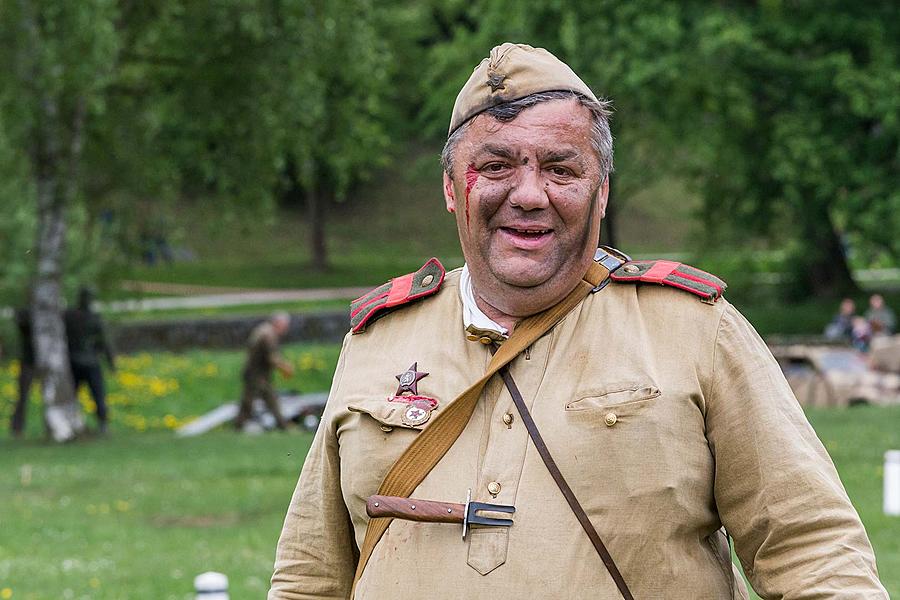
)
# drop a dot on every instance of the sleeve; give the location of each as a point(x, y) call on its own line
point(106, 344)
point(316, 553)
point(778, 494)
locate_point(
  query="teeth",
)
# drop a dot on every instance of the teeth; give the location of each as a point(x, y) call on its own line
point(531, 231)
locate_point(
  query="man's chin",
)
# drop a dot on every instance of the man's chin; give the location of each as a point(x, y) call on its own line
point(524, 278)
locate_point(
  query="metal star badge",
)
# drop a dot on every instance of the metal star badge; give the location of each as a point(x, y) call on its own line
point(495, 80)
point(409, 380)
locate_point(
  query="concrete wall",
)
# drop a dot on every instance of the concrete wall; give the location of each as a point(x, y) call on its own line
point(222, 332)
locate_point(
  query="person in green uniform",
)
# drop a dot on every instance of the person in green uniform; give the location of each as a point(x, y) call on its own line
point(262, 357)
point(88, 343)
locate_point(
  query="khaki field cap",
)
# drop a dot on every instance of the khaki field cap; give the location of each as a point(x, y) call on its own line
point(513, 71)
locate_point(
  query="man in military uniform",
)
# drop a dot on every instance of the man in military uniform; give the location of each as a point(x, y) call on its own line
point(262, 357)
point(88, 342)
point(660, 405)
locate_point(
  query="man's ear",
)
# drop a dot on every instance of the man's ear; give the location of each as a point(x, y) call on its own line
point(449, 193)
point(603, 196)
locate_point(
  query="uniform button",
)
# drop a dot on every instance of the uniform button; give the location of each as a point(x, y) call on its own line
point(387, 428)
point(485, 340)
point(494, 488)
point(611, 419)
point(507, 419)
point(427, 279)
point(472, 338)
point(632, 268)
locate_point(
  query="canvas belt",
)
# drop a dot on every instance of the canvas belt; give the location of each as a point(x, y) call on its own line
point(434, 441)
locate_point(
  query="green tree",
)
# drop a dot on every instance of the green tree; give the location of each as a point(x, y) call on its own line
point(62, 55)
point(133, 104)
point(273, 97)
point(783, 115)
point(799, 129)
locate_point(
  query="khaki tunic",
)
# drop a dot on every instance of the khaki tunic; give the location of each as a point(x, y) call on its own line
point(706, 434)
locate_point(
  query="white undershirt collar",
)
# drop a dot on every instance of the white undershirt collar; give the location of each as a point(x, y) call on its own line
point(474, 318)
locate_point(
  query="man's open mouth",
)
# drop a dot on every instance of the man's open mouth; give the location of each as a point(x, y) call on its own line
point(526, 233)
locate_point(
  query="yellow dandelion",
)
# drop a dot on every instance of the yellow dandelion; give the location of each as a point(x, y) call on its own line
point(158, 387)
point(94, 582)
point(123, 505)
point(128, 379)
point(170, 421)
point(84, 398)
point(15, 367)
point(9, 389)
point(6, 593)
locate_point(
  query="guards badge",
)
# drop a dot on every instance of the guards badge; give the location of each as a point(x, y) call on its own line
point(419, 408)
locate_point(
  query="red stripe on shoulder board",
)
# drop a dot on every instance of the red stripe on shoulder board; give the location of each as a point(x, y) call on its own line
point(400, 288)
point(659, 271)
point(708, 282)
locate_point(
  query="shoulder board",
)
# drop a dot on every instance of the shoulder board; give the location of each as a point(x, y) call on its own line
point(396, 292)
point(666, 272)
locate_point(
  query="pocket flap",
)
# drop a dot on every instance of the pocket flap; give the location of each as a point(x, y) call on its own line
point(382, 410)
point(614, 395)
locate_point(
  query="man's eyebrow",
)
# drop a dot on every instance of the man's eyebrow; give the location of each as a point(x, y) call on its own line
point(559, 155)
point(501, 151)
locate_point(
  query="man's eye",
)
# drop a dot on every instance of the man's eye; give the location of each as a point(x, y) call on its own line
point(560, 171)
point(493, 167)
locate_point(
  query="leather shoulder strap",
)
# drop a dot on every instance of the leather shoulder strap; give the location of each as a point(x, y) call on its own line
point(432, 443)
point(563, 485)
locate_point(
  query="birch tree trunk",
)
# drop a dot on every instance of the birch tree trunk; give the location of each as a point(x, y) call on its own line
point(62, 414)
point(55, 168)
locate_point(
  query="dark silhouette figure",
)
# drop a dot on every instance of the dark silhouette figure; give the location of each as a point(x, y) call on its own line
point(26, 370)
point(87, 343)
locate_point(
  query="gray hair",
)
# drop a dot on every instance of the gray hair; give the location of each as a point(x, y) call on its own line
point(601, 136)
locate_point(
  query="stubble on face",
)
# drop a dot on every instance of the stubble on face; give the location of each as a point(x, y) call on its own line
point(534, 199)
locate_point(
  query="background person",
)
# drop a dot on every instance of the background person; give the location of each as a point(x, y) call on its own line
point(26, 370)
point(262, 357)
point(88, 345)
point(881, 318)
point(841, 326)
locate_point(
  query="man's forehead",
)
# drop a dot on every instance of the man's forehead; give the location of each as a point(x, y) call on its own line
point(558, 126)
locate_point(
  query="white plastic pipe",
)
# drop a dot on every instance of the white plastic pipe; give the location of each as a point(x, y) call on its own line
point(211, 586)
point(892, 482)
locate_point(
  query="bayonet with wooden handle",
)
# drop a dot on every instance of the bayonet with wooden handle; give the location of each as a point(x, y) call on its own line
point(431, 511)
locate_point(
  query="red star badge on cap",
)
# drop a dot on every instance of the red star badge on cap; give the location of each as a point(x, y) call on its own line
point(409, 380)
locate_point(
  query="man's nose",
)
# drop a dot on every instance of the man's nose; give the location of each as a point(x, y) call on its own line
point(528, 192)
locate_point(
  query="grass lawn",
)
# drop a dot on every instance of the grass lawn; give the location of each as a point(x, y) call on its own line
point(139, 513)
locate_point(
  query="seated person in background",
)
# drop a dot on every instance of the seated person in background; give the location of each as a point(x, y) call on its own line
point(860, 334)
point(881, 318)
point(841, 326)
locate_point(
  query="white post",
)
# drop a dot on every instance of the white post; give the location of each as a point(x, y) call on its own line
point(211, 586)
point(892, 482)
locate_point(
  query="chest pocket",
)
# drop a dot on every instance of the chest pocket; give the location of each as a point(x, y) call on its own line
point(386, 413)
point(625, 396)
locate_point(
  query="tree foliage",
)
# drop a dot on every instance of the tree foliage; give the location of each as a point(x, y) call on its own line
point(784, 115)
